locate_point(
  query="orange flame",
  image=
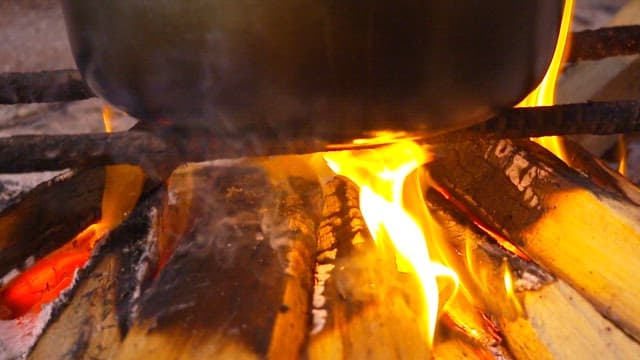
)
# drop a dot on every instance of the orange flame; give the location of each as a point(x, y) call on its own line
point(380, 174)
point(545, 93)
point(43, 282)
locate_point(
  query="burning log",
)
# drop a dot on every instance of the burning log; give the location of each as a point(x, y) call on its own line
point(544, 318)
point(605, 42)
point(587, 236)
point(362, 303)
point(49, 215)
point(43, 86)
point(91, 319)
point(239, 282)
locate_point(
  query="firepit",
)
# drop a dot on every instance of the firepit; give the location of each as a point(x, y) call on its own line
point(176, 243)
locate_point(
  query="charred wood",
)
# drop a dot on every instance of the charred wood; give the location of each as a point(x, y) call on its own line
point(44, 86)
point(604, 42)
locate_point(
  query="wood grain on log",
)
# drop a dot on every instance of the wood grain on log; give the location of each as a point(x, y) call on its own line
point(588, 237)
point(239, 282)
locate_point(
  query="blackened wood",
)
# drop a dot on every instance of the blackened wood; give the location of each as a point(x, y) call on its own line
point(557, 216)
point(604, 42)
point(44, 86)
point(599, 118)
point(28, 153)
point(239, 282)
point(49, 215)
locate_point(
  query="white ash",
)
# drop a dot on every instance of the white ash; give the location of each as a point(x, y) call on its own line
point(149, 256)
point(532, 280)
point(322, 274)
point(12, 274)
point(18, 336)
point(12, 186)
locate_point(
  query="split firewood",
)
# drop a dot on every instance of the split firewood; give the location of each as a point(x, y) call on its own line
point(363, 307)
point(49, 215)
point(88, 326)
point(239, 282)
point(588, 237)
point(561, 324)
point(539, 317)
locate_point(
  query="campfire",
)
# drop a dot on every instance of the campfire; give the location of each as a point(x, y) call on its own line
point(487, 242)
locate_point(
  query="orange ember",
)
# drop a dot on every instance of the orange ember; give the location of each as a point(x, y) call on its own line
point(43, 282)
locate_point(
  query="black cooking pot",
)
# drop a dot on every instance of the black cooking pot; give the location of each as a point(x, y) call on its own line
point(240, 66)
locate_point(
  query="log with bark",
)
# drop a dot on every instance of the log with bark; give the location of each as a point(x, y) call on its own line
point(239, 282)
point(587, 236)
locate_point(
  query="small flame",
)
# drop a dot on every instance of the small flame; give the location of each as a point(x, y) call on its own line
point(43, 282)
point(545, 93)
point(622, 151)
point(381, 175)
point(509, 287)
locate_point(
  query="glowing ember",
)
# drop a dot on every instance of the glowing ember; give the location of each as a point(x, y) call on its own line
point(381, 175)
point(545, 93)
point(43, 282)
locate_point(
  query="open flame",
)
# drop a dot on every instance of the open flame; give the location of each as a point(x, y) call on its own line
point(382, 176)
point(44, 281)
point(545, 93)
